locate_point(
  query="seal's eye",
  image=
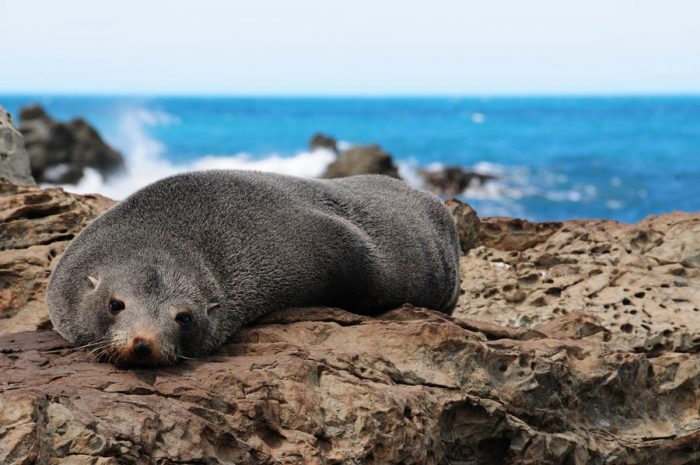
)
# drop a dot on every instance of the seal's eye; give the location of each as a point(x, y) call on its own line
point(115, 306)
point(184, 319)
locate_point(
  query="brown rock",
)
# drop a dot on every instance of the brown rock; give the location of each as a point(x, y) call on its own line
point(641, 281)
point(362, 159)
point(467, 222)
point(514, 233)
point(411, 386)
point(535, 371)
point(36, 225)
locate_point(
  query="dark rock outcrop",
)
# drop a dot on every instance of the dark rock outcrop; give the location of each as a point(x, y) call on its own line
point(60, 152)
point(452, 180)
point(322, 141)
point(362, 159)
point(597, 364)
point(14, 161)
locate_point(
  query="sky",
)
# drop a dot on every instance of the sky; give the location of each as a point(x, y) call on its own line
point(359, 47)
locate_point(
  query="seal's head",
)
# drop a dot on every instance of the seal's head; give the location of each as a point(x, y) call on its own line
point(143, 309)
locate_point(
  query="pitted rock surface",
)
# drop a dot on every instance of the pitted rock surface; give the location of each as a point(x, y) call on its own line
point(642, 280)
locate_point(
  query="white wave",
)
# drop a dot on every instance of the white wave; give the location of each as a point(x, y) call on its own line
point(487, 167)
point(478, 118)
point(494, 190)
point(518, 182)
point(615, 204)
point(408, 170)
point(564, 196)
point(155, 117)
point(503, 207)
point(509, 182)
point(304, 164)
point(55, 172)
point(145, 161)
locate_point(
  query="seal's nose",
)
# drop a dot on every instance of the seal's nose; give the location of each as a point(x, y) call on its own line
point(141, 348)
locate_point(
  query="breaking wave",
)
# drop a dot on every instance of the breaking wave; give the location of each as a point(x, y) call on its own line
point(146, 162)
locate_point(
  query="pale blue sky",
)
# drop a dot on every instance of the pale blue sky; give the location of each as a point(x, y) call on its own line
point(367, 47)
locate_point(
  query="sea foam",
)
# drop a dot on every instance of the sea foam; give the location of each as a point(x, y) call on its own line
point(146, 161)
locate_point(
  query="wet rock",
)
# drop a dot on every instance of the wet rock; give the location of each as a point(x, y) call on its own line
point(322, 141)
point(14, 161)
point(362, 159)
point(452, 180)
point(60, 152)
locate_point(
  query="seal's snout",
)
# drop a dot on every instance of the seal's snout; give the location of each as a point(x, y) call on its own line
point(141, 348)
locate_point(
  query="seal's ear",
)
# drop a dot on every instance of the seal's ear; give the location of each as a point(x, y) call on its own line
point(93, 282)
point(211, 306)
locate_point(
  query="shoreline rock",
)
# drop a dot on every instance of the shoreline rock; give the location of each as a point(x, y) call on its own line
point(36, 225)
point(532, 367)
point(468, 224)
point(362, 159)
point(451, 181)
point(14, 161)
point(323, 141)
point(642, 281)
point(59, 152)
point(331, 388)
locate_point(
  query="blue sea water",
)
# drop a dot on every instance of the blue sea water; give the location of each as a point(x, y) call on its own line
point(556, 158)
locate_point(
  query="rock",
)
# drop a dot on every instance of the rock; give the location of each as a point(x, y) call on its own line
point(467, 223)
point(410, 386)
point(60, 152)
point(515, 234)
point(452, 180)
point(14, 161)
point(641, 281)
point(36, 225)
point(532, 369)
point(362, 159)
point(322, 141)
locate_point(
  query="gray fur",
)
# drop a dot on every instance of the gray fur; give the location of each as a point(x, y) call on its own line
point(252, 243)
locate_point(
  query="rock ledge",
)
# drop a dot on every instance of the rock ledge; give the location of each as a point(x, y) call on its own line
point(553, 357)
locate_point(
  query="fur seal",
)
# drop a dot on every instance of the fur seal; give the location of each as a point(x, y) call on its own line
point(176, 268)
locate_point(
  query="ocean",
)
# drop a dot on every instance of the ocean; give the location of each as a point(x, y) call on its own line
point(555, 158)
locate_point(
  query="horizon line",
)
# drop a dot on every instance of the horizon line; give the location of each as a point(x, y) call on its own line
point(352, 95)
